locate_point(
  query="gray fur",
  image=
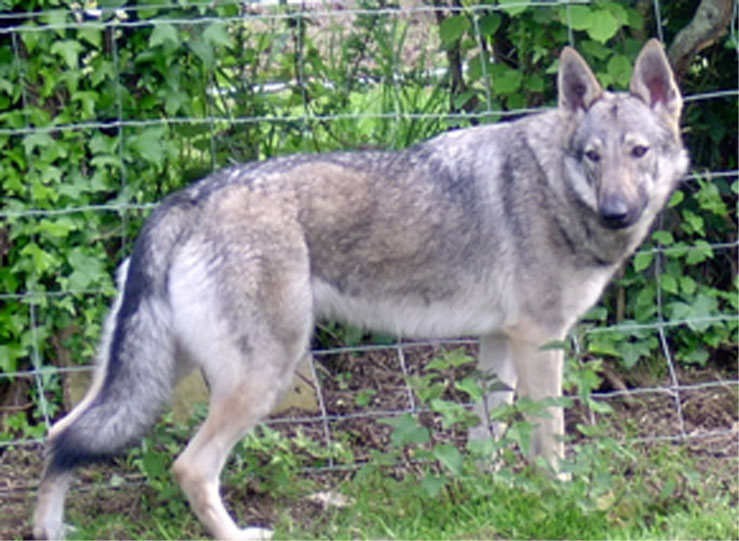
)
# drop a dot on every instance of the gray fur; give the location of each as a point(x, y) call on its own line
point(508, 231)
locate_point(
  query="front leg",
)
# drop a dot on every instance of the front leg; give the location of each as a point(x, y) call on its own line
point(495, 360)
point(539, 378)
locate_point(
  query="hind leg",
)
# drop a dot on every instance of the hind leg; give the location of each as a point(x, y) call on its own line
point(232, 413)
point(242, 312)
point(247, 329)
point(243, 389)
point(49, 513)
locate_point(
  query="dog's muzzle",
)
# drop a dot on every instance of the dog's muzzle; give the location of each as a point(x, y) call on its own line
point(616, 213)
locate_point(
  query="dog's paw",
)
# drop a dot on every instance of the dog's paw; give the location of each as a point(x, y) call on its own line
point(53, 530)
point(255, 534)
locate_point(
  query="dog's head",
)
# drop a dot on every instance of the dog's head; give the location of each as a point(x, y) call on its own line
point(625, 154)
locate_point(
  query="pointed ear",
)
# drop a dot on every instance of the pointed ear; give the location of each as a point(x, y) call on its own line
point(654, 83)
point(578, 87)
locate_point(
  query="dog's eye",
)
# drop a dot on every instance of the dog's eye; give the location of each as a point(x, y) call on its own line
point(639, 151)
point(592, 155)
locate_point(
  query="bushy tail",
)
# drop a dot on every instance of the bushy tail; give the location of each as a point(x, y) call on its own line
point(136, 362)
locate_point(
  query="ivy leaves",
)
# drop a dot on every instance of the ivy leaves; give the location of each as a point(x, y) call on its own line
point(500, 79)
point(601, 20)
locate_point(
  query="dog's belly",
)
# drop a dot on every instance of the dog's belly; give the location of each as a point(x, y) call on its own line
point(468, 313)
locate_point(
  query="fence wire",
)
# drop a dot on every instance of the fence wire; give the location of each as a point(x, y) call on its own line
point(42, 368)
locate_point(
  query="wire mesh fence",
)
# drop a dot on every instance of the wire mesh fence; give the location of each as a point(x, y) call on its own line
point(268, 80)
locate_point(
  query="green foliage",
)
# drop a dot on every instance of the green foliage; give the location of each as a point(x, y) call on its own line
point(273, 460)
point(388, 507)
point(441, 463)
point(99, 120)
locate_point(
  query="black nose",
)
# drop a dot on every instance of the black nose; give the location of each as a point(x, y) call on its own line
point(615, 212)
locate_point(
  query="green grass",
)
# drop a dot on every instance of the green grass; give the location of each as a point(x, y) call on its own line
point(639, 492)
point(654, 503)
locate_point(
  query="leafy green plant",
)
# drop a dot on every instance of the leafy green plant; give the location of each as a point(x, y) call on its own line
point(439, 461)
point(275, 461)
point(100, 119)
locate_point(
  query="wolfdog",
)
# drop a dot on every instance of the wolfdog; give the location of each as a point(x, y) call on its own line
point(507, 231)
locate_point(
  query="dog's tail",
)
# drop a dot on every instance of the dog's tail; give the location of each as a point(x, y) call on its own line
point(136, 361)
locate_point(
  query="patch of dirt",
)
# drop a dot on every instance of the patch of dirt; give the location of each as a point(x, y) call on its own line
point(20, 468)
point(360, 388)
